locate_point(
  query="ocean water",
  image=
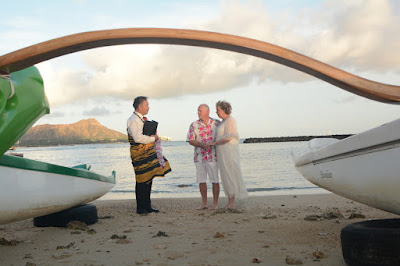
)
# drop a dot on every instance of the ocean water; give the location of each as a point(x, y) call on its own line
point(267, 168)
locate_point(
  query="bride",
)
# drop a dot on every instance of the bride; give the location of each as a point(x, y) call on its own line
point(228, 158)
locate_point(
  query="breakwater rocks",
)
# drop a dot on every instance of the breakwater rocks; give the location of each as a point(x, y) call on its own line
point(298, 138)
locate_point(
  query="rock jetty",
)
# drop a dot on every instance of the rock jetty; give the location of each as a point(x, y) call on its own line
point(298, 138)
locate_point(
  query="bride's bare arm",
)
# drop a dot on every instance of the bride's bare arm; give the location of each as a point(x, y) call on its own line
point(221, 141)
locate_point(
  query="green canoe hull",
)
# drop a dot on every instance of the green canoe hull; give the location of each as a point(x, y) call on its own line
point(24, 108)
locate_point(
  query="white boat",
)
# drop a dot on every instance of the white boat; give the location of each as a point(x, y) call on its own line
point(31, 188)
point(364, 167)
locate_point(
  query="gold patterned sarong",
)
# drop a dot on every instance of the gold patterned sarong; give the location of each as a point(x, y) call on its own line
point(145, 162)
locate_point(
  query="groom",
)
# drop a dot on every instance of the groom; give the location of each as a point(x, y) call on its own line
point(201, 132)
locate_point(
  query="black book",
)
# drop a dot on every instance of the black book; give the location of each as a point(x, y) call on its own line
point(150, 128)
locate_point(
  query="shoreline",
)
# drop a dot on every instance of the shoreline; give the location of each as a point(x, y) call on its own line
point(130, 195)
point(269, 228)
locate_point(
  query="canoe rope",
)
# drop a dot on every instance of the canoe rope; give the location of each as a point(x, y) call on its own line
point(7, 77)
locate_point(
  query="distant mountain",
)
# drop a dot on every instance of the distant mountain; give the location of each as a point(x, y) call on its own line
point(82, 132)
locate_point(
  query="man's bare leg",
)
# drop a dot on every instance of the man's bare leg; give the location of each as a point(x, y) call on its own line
point(215, 189)
point(203, 192)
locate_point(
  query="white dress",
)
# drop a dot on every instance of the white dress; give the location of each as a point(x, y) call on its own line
point(228, 159)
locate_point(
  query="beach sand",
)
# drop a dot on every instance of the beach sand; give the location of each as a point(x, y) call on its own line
point(267, 228)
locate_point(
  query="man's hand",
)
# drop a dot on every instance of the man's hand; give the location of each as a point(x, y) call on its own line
point(205, 146)
point(202, 145)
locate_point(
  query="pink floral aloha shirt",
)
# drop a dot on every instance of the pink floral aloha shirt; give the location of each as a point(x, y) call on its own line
point(203, 133)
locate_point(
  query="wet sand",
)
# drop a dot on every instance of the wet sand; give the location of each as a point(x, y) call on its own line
point(265, 230)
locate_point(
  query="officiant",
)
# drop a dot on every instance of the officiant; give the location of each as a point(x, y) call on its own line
point(144, 146)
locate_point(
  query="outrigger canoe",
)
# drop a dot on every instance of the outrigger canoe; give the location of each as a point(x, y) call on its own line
point(31, 188)
point(364, 167)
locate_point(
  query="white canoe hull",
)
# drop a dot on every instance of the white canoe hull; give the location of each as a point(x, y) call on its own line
point(26, 193)
point(363, 167)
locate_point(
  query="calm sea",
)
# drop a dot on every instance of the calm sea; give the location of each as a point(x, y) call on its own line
point(267, 168)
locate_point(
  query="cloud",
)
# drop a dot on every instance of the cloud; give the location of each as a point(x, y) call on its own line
point(97, 111)
point(55, 114)
point(357, 35)
point(346, 99)
point(360, 34)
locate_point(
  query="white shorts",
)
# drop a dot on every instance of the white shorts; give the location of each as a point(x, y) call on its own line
point(204, 169)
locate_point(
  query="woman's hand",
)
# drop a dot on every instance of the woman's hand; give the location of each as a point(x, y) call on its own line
point(203, 145)
point(207, 145)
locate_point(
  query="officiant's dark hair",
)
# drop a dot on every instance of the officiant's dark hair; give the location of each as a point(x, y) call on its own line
point(138, 101)
point(225, 106)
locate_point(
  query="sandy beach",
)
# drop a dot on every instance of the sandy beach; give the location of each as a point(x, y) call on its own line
point(267, 230)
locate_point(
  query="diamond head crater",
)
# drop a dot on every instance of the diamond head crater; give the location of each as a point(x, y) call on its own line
point(87, 131)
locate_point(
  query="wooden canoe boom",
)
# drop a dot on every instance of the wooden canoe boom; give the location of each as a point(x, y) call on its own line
point(34, 54)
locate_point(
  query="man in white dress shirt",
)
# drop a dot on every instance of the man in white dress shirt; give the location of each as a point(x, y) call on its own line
point(144, 157)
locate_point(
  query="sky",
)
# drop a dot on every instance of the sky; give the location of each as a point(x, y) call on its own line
point(268, 99)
